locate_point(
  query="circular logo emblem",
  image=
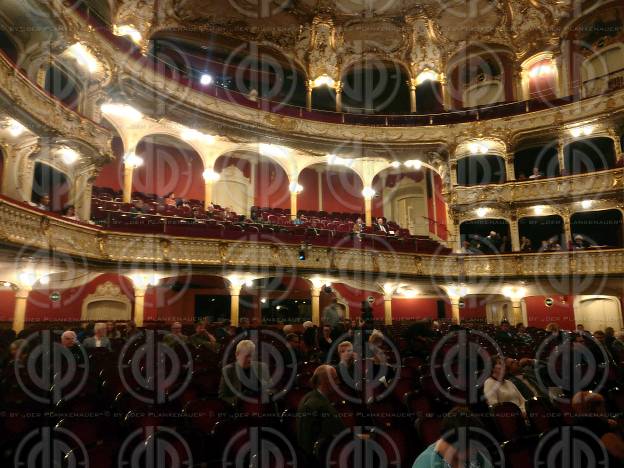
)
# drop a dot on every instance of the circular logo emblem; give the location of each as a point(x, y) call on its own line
point(364, 447)
point(162, 447)
point(572, 447)
point(50, 447)
point(466, 364)
point(572, 366)
point(52, 372)
point(153, 371)
point(548, 302)
point(370, 376)
point(272, 357)
point(259, 447)
point(55, 296)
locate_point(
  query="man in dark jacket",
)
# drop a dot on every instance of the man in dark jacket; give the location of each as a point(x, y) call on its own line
point(317, 419)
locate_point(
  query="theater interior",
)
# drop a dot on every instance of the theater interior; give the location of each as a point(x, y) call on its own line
point(311, 233)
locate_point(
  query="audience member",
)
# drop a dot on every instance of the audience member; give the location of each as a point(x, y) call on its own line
point(332, 314)
point(590, 413)
point(381, 226)
point(317, 419)
point(245, 378)
point(451, 450)
point(176, 337)
point(170, 200)
point(112, 332)
point(498, 389)
point(523, 375)
point(504, 335)
point(325, 340)
point(99, 338)
point(69, 212)
point(536, 174)
point(525, 244)
point(43, 204)
point(203, 337)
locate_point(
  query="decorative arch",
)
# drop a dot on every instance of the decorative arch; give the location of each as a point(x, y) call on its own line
point(108, 302)
point(330, 188)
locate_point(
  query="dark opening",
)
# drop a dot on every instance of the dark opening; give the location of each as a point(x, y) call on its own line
point(477, 233)
point(49, 181)
point(61, 86)
point(7, 46)
point(595, 154)
point(429, 97)
point(541, 228)
point(481, 170)
point(599, 228)
point(376, 88)
point(285, 310)
point(543, 157)
point(324, 98)
point(211, 307)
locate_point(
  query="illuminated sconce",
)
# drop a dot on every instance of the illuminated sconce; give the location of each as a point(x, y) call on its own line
point(335, 160)
point(478, 148)
point(205, 79)
point(368, 192)
point(458, 291)
point(211, 176)
point(132, 160)
point(14, 127)
point(294, 187)
point(190, 134)
point(481, 212)
point(68, 155)
point(324, 80)
point(389, 288)
point(514, 292)
point(585, 204)
point(395, 164)
point(585, 130)
point(542, 70)
point(414, 164)
point(27, 278)
point(128, 30)
point(538, 210)
point(123, 111)
point(426, 75)
point(276, 151)
point(143, 280)
point(84, 57)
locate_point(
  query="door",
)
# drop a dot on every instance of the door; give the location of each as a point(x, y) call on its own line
point(598, 313)
point(411, 215)
point(496, 312)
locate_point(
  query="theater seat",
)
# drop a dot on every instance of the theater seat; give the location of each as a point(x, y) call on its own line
point(508, 421)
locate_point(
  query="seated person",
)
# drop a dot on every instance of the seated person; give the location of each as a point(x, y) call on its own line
point(381, 226)
point(245, 378)
point(579, 242)
point(69, 212)
point(298, 221)
point(44, 203)
point(317, 419)
point(99, 338)
point(69, 341)
point(590, 413)
point(176, 336)
point(504, 335)
point(525, 244)
point(170, 200)
point(138, 206)
point(498, 389)
point(346, 365)
point(536, 174)
point(452, 449)
point(203, 337)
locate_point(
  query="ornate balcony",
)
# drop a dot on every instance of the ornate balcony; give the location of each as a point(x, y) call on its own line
point(32, 230)
point(560, 188)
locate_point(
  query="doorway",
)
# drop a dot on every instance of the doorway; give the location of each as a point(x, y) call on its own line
point(598, 312)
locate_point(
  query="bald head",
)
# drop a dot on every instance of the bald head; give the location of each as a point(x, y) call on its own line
point(68, 338)
point(324, 379)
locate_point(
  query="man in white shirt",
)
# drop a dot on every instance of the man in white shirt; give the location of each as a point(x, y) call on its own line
point(99, 338)
point(536, 174)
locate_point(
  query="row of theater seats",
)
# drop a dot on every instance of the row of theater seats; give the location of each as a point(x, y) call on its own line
point(193, 423)
point(267, 225)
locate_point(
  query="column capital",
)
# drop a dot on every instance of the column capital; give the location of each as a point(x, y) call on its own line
point(139, 291)
point(388, 297)
point(315, 292)
point(235, 290)
point(22, 292)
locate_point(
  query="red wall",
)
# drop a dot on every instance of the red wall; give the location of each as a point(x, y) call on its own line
point(69, 307)
point(354, 298)
point(271, 186)
point(474, 309)
point(169, 169)
point(440, 208)
point(562, 311)
point(342, 192)
point(226, 161)
point(417, 308)
point(308, 199)
point(7, 301)
point(111, 174)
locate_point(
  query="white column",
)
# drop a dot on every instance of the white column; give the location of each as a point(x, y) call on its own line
point(309, 87)
point(139, 306)
point(319, 179)
point(19, 310)
point(338, 89)
point(234, 304)
point(316, 306)
point(388, 309)
point(515, 235)
point(412, 88)
point(561, 155)
point(455, 317)
point(127, 187)
point(518, 317)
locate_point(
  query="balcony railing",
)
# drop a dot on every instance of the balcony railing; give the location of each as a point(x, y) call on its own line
point(578, 185)
point(33, 230)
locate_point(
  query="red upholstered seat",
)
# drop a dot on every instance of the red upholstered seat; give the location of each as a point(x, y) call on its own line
point(508, 421)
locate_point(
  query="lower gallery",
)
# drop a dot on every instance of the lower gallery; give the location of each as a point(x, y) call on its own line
point(311, 233)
